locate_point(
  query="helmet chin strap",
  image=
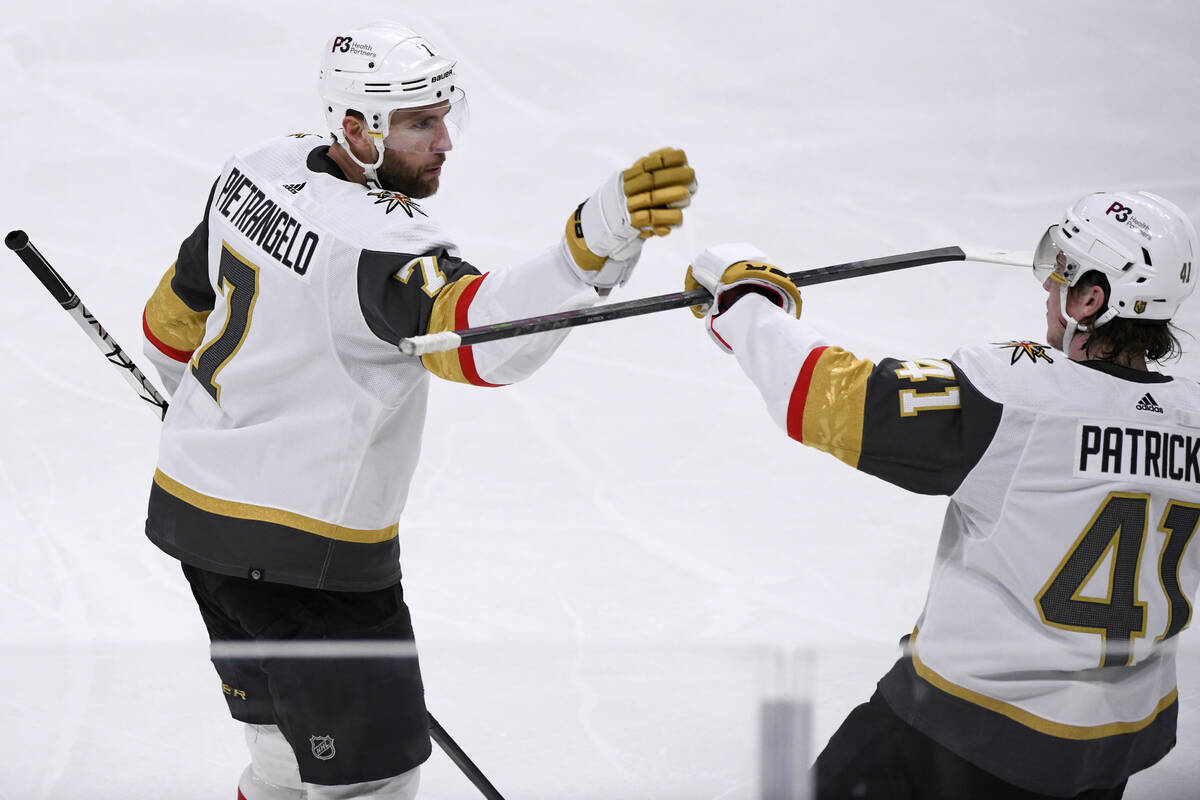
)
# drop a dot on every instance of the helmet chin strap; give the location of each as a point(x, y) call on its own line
point(1073, 325)
point(368, 169)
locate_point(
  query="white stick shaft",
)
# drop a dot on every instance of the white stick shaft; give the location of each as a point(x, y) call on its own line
point(1013, 258)
point(117, 357)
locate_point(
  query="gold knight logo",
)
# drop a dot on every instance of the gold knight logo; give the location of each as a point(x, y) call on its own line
point(396, 200)
point(1031, 349)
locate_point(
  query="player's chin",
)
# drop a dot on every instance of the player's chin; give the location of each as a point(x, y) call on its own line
point(427, 186)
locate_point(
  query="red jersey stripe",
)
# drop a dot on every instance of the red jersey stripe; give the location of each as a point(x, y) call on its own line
point(182, 356)
point(795, 412)
point(466, 358)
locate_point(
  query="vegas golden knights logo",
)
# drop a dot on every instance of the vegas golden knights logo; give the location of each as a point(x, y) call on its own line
point(394, 200)
point(1139, 307)
point(1033, 350)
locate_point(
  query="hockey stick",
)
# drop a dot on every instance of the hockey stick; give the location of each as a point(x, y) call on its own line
point(449, 340)
point(451, 749)
point(18, 242)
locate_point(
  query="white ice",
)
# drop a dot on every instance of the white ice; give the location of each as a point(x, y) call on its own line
point(604, 562)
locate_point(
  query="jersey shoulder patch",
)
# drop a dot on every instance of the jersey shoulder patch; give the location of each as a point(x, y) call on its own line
point(1020, 350)
point(389, 201)
point(1023, 373)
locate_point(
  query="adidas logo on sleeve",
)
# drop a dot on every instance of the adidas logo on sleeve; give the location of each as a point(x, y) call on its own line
point(1147, 404)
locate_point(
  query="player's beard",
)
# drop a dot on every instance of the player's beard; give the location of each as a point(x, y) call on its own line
point(409, 180)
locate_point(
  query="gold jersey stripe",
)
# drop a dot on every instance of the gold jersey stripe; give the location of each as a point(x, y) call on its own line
point(170, 320)
point(1030, 720)
point(835, 404)
point(444, 317)
point(228, 508)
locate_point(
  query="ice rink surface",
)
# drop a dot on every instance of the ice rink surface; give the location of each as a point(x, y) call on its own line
point(606, 563)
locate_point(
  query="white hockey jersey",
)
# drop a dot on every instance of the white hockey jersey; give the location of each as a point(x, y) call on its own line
point(1045, 653)
point(296, 423)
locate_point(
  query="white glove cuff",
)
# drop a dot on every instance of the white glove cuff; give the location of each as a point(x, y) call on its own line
point(606, 224)
point(607, 233)
point(615, 272)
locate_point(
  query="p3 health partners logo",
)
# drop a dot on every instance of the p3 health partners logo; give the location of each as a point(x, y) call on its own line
point(394, 200)
point(322, 747)
point(1123, 213)
point(346, 44)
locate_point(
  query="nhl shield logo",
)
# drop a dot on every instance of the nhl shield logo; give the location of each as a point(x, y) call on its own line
point(322, 747)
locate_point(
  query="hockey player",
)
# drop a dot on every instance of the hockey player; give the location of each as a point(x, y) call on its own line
point(1043, 663)
point(295, 423)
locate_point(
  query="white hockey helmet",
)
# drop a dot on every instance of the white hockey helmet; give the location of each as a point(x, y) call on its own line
point(1145, 246)
point(382, 68)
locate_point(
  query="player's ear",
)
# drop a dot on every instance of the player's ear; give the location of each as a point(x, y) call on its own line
point(352, 126)
point(354, 129)
point(1090, 300)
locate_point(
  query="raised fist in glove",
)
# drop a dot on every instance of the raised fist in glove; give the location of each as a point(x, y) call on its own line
point(604, 236)
point(732, 271)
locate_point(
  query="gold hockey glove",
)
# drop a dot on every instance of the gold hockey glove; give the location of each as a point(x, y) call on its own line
point(732, 271)
point(604, 236)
